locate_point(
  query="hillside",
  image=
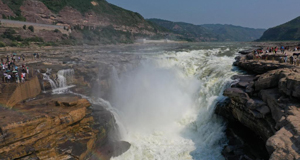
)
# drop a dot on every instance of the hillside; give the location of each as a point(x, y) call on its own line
point(234, 33)
point(88, 21)
point(211, 32)
point(285, 32)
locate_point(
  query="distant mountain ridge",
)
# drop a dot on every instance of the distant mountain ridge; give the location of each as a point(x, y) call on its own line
point(284, 32)
point(99, 22)
point(210, 32)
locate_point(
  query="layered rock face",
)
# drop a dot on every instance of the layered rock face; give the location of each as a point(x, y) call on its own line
point(13, 93)
point(5, 10)
point(59, 127)
point(37, 12)
point(268, 104)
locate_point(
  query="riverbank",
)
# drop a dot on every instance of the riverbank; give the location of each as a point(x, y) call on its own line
point(42, 121)
point(265, 102)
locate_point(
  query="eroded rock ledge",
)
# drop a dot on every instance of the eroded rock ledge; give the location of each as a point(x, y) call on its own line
point(267, 102)
point(53, 127)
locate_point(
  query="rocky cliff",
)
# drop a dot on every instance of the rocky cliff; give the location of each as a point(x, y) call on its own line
point(13, 93)
point(5, 10)
point(267, 102)
point(284, 32)
point(47, 126)
point(88, 21)
point(59, 127)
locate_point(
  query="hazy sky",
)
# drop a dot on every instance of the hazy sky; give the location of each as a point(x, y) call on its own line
point(246, 13)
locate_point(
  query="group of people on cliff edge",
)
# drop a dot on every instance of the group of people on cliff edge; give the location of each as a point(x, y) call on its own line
point(10, 70)
point(283, 57)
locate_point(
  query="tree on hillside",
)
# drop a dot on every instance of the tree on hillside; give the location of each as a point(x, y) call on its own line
point(31, 28)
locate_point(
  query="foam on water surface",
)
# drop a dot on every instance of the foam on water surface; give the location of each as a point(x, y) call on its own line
point(166, 105)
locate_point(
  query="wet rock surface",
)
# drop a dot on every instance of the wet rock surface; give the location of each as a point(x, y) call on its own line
point(36, 124)
point(267, 104)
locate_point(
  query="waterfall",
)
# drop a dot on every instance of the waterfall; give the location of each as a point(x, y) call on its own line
point(64, 77)
point(167, 105)
point(47, 78)
point(62, 83)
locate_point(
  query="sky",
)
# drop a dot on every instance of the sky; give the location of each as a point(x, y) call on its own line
point(247, 13)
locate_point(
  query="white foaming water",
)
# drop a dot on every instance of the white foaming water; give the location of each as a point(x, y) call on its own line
point(47, 78)
point(64, 77)
point(167, 106)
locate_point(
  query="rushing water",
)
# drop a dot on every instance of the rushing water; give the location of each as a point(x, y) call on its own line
point(61, 84)
point(167, 103)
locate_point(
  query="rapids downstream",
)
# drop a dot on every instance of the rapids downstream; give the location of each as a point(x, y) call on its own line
point(166, 104)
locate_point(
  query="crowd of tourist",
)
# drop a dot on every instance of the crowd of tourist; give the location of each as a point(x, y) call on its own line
point(283, 56)
point(14, 69)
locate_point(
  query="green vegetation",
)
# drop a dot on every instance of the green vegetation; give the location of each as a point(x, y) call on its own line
point(14, 44)
point(9, 34)
point(24, 27)
point(234, 33)
point(15, 5)
point(80, 5)
point(106, 35)
point(57, 31)
point(2, 44)
point(56, 5)
point(17, 40)
point(209, 32)
point(31, 28)
point(286, 32)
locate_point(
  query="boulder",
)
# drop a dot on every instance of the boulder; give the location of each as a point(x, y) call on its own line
point(290, 85)
point(285, 143)
point(270, 97)
point(270, 79)
point(236, 94)
point(243, 84)
point(66, 102)
point(255, 103)
point(250, 88)
point(245, 51)
point(263, 110)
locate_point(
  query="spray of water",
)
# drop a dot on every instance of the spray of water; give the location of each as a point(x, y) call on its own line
point(61, 84)
point(167, 103)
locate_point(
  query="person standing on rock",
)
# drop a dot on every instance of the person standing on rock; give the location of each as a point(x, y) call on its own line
point(8, 65)
point(291, 59)
point(27, 70)
point(3, 66)
point(23, 75)
point(285, 58)
point(17, 78)
point(23, 57)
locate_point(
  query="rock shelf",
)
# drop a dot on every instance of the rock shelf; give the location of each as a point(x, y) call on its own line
point(267, 103)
